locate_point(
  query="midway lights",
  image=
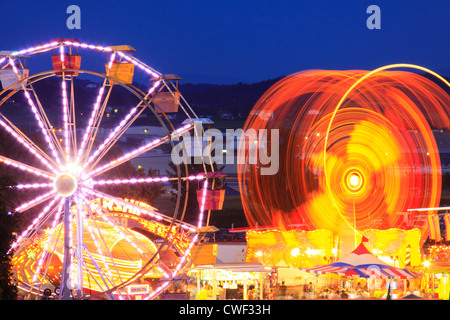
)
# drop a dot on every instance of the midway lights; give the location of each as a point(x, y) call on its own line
point(300, 248)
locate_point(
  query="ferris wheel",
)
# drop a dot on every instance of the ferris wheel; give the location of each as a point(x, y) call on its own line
point(79, 241)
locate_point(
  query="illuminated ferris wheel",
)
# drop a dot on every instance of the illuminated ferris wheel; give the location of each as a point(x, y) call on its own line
point(78, 242)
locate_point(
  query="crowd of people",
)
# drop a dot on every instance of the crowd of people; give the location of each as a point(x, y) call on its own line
point(309, 291)
point(280, 291)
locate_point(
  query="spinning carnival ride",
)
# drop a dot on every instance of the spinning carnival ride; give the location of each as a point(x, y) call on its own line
point(77, 242)
point(357, 151)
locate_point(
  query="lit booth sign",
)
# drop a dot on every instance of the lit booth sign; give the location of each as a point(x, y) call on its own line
point(133, 292)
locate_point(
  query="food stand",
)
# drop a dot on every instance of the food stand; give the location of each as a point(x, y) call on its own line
point(228, 275)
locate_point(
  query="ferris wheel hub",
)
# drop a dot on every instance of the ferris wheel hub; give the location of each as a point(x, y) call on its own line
point(65, 184)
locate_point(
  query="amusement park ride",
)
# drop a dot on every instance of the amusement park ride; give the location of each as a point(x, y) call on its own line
point(81, 241)
point(358, 153)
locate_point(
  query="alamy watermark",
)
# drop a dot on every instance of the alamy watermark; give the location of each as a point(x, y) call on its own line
point(74, 20)
point(234, 146)
point(374, 20)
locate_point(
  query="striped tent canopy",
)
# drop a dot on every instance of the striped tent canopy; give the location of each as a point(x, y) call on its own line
point(360, 262)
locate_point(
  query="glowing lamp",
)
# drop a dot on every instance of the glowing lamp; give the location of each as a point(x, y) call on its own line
point(295, 252)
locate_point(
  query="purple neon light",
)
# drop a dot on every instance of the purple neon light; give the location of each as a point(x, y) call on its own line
point(37, 116)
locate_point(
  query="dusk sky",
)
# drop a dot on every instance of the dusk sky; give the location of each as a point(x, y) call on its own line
point(241, 40)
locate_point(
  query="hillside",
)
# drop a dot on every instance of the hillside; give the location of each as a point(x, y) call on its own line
point(214, 101)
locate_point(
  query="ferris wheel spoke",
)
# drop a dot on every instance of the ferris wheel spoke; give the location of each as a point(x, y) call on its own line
point(68, 109)
point(130, 181)
point(65, 108)
point(34, 202)
point(72, 121)
point(139, 180)
point(45, 128)
point(150, 212)
point(51, 234)
point(27, 168)
point(33, 226)
point(94, 123)
point(97, 122)
point(96, 115)
point(29, 145)
point(138, 151)
point(125, 233)
point(96, 235)
point(120, 129)
point(34, 185)
point(114, 136)
point(100, 242)
point(107, 281)
point(43, 116)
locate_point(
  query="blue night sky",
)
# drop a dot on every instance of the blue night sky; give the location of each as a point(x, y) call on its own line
point(241, 40)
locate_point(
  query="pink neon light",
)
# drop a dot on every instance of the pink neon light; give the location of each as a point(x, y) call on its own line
point(91, 121)
point(28, 146)
point(31, 50)
point(23, 167)
point(139, 65)
point(35, 221)
point(44, 251)
point(138, 151)
point(37, 117)
point(94, 112)
point(36, 200)
point(34, 185)
point(144, 180)
point(65, 117)
point(111, 135)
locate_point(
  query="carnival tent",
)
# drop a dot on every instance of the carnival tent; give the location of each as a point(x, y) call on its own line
point(360, 262)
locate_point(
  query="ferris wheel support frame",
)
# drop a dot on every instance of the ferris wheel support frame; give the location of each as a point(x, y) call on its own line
point(65, 273)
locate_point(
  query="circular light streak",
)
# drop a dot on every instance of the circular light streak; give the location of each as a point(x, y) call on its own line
point(357, 149)
point(354, 180)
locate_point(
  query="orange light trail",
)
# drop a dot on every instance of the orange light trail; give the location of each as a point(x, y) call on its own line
point(356, 150)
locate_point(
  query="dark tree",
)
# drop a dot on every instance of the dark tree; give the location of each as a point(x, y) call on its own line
point(8, 225)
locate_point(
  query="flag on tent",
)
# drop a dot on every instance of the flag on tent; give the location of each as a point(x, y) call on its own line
point(360, 262)
point(433, 227)
point(447, 226)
